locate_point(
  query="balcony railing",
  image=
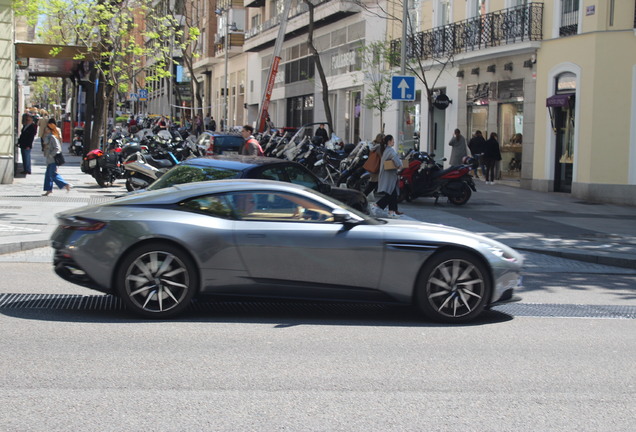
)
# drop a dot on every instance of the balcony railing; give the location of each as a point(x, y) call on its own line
point(273, 22)
point(503, 27)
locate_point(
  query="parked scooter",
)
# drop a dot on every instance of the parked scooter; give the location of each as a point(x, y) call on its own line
point(143, 169)
point(424, 177)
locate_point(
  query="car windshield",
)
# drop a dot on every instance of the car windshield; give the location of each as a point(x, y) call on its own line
point(187, 174)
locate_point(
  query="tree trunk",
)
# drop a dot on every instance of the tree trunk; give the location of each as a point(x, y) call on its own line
point(321, 71)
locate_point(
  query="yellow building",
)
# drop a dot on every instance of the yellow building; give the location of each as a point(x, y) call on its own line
point(555, 79)
point(7, 80)
point(585, 132)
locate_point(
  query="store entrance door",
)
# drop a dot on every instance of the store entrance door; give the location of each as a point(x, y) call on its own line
point(564, 151)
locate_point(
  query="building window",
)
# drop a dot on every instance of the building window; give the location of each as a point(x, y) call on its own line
point(300, 110)
point(569, 17)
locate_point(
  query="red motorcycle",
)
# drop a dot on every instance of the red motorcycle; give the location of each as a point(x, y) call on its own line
point(424, 177)
point(105, 167)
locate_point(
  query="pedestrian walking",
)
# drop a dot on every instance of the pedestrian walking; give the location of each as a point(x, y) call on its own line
point(25, 141)
point(388, 178)
point(212, 124)
point(52, 145)
point(377, 148)
point(206, 121)
point(458, 143)
point(42, 122)
point(492, 154)
point(251, 147)
point(476, 146)
point(198, 124)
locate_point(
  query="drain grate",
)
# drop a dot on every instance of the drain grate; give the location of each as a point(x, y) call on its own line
point(567, 310)
point(111, 303)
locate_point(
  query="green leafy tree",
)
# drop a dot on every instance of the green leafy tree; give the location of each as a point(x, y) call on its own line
point(124, 40)
point(376, 60)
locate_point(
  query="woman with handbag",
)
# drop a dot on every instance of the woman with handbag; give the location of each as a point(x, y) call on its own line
point(51, 144)
point(388, 178)
point(372, 165)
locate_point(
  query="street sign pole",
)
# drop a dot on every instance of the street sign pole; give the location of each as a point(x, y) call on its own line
point(400, 119)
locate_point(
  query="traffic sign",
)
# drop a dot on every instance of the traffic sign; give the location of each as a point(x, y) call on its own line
point(403, 87)
point(133, 97)
point(143, 94)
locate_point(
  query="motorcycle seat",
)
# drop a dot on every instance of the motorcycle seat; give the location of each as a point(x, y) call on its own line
point(159, 163)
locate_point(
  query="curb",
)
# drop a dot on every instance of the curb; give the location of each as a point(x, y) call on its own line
point(9, 248)
point(616, 260)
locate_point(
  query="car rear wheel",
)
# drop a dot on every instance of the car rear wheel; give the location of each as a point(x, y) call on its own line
point(453, 287)
point(157, 280)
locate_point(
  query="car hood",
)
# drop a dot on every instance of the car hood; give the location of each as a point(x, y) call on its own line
point(415, 232)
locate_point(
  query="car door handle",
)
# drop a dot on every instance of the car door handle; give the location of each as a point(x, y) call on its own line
point(256, 236)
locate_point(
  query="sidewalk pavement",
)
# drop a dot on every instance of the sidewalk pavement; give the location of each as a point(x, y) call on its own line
point(548, 223)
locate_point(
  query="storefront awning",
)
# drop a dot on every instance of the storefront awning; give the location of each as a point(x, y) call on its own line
point(558, 100)
point(41, 61)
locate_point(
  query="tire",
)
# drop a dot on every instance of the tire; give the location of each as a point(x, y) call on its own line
point(129, 186)
point(157, 280)
point(453, 287)
point(361, 184)
point(463, 197)
point(99, 177)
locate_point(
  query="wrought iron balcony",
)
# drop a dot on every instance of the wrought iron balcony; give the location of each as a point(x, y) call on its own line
point(503, 27)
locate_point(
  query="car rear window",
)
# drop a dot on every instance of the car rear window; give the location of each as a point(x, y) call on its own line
point(188, 174)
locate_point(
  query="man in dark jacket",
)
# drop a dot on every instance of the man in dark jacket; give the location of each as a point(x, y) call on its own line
point(322, 133)
point(476, 146)
point(25, 141)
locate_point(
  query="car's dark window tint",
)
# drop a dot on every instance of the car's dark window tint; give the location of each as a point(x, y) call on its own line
point(188, 174)
point(273, 173)
point(212, 205)
point(301, 177)
point(278, 207)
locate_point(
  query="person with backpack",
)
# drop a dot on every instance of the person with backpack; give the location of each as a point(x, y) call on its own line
point(252, 147)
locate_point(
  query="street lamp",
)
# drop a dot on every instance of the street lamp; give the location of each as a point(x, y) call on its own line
point(220, 12)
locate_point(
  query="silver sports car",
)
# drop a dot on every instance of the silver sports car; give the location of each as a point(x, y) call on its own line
point(159, 249)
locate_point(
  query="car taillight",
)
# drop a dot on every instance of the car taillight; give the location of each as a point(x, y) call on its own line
point(81, 224)
point(210, 150)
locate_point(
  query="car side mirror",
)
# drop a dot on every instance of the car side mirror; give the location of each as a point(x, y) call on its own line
point(341, 215)
point(324, 188)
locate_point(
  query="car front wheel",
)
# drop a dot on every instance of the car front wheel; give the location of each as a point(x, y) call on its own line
point(453, 287)
point(157, 281)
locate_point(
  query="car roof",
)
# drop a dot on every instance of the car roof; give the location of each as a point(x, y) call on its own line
point(183, 191)
point(233, 162)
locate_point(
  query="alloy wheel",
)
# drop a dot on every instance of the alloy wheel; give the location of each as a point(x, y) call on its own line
point(157, 282)
point(455, 287)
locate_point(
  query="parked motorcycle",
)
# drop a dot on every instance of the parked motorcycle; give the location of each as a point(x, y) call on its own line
point(104, 166)
point(77, 147)
point(425, 177)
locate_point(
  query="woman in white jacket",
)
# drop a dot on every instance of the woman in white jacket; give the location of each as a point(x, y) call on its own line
point(51, 145)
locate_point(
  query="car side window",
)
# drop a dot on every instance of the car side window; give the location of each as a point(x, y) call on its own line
point(211, 205)
point(273, 173)
point(301, 177)
point(278, 207)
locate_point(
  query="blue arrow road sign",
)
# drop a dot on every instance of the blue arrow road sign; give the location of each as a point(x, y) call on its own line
point(402, 87)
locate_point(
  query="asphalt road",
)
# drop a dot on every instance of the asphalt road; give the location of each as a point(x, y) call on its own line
point(260, 367)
